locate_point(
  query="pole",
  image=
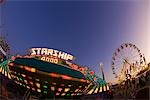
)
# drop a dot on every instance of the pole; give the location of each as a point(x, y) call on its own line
point(102, 67)
point(103, 76)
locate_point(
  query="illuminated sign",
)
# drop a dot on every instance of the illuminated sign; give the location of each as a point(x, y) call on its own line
point(50, 59)
point(51, 52)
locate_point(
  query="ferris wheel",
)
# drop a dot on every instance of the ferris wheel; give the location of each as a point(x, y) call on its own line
point(126, 60)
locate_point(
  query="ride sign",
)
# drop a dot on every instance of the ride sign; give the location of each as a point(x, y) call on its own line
point(50, 55)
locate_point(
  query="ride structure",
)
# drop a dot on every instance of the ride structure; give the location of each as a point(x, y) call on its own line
point(49, 73)
point(130, 68)
point(127, 61)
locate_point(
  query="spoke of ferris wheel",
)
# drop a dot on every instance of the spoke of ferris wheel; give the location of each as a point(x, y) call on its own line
point(118, 65)
point(117, 59)
point(117, 56)
point(136, 56)
point(124, 52)
point(127, 62)
point(132, 50)
point(133, 54)
point(134, 60)
point(121, 53)
point(118, 62)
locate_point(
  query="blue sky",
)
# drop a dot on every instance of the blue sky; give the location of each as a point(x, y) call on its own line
point(90, 30)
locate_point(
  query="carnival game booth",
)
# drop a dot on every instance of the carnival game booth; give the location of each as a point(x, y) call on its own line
point(49, 73)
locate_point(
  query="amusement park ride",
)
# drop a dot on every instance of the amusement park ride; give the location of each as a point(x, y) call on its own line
point(127, 62)
point(130, 68)
point(49, 74)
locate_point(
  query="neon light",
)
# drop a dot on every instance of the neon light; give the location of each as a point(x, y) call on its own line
point(9, 76)
point(38, 90)
point(30, 69)
point(90, 92)
point(92, 72)
point(52, 88)
point(21, 66)
point(19, 79)
point(23, 75)
point(54, 83)
point(28, 87)
point(26, 81)
point(88, 81)
point(59, 89)
point(11, 64)
point(37, 79)
point(50, 59)
point(54, 75)
point(31, 83)
point(5, 73)
point(57, 93)
point(45, 82)
point(107, 87)
point(82, 80)
point(80, 86)
point(104, 88)
point(78, 94)
point(67, 89)
point(100, 90)
point(76, 90)
point(27, 68)
point(44, 86)
point(80, 90)
point(33, 70)
point(66, 77)
point(0, 69)
point(33, 89)
point(63, 94)
point(45, 92)
point(96, 91)
point(30, 77)
point(51, 52)
point(13, 76)
point(38, 85)
point(13, 58)
point(62, 84)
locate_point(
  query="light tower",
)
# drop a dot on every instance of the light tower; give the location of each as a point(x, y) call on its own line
point(102, 70)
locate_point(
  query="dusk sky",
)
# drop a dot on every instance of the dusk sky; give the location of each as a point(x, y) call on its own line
point(91, 30)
